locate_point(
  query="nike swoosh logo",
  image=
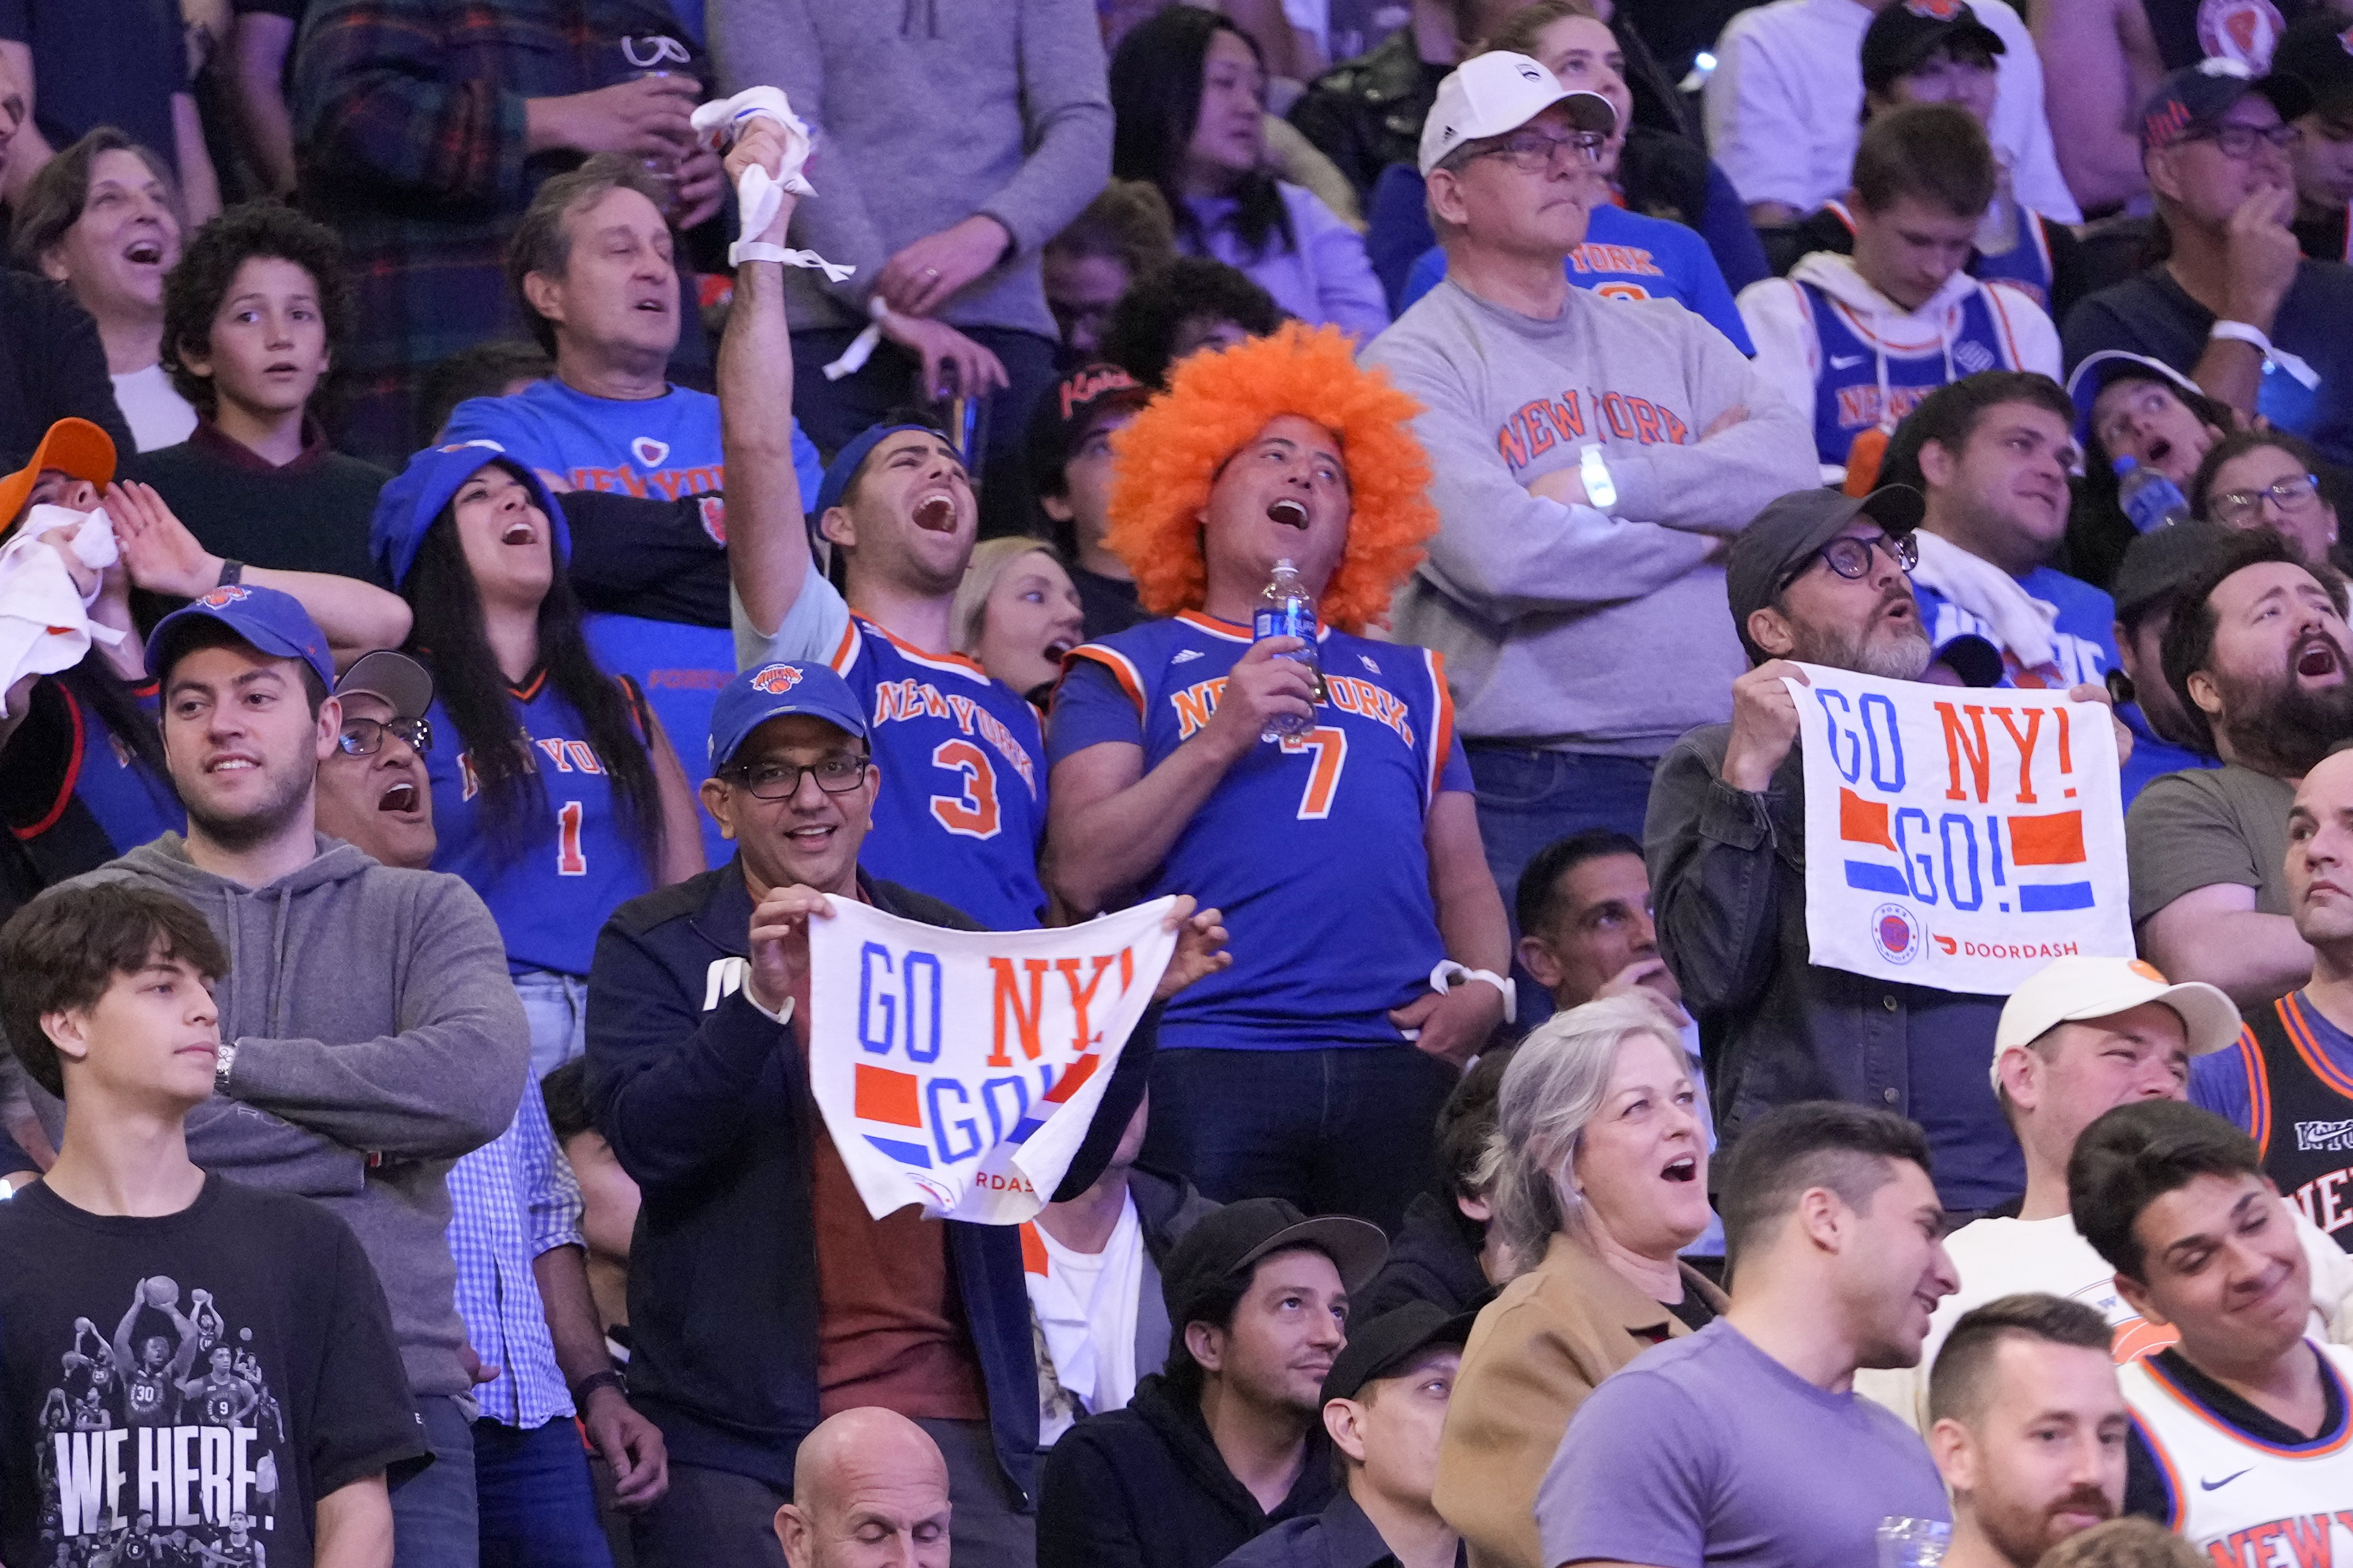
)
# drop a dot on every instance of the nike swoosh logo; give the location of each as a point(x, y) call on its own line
point(2209, 1485)
point(1845, 362)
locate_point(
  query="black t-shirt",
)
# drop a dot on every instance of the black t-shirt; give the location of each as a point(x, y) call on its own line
point(1107, 603)
point(218, 1370)
point(103, 62)
point(2150, 314)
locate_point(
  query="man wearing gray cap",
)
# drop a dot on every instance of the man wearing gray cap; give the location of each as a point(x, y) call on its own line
point(1592, 457)
point(2155, 568)
point(1817, 578)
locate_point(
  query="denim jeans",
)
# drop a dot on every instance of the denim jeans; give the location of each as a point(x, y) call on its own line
point(538, 1506)
point(1529, 799)
point(434, 1522)
point(1342, 1130)
point(557, 1005)
point(833, 411)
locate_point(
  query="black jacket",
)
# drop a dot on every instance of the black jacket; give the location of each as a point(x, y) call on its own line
point(707, 1105)
point(1145, 1487)
point(51, 365)
point(1432, 1260)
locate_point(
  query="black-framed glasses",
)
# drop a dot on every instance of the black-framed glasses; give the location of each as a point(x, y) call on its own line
point(2238, 508)
point(1849, 555)
point(365, 737)
point(1535, 152)
point(2239, 141)
point(837, 774)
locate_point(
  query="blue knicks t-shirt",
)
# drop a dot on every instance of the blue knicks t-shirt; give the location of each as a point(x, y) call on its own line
point(579, 863)
point(1313, 848)
point(662, 447)
point(1628, 255)
point(2082, 638)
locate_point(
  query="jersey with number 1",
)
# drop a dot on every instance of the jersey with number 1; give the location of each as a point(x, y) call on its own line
point(962, 809)
point(1313, 848)
point(579, 862)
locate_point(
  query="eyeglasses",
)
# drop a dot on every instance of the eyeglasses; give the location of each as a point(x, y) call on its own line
point(1535, 152)
point(2239, 141)
point(836, 774)
point(365, 737)
point(1849, 555)
point(2239, 509)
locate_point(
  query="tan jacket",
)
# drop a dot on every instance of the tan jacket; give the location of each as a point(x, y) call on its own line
point(1537, 1351)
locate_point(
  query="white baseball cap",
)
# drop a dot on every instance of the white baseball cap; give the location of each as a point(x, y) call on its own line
point(2072, 990)
point(1490, 94)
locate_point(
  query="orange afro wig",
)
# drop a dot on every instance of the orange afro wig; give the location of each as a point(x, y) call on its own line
point(1170, 454)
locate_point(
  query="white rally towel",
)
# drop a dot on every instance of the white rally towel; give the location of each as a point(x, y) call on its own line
point(1959, 837)
point(2022, 622)
point(959, 1070)
point(758, 193)
point(44, 626)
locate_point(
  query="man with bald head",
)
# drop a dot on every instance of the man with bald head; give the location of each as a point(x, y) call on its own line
point(2289, 1083)
point(868, 1488)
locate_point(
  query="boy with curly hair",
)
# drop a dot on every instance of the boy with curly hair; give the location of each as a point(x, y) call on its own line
point(1346, 858)
point(252, 316)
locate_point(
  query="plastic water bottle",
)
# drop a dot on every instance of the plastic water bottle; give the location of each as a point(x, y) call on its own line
point(2147, 497)
point(1287, 610)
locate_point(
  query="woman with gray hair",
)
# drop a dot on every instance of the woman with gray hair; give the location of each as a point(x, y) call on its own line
point(1597, 1177)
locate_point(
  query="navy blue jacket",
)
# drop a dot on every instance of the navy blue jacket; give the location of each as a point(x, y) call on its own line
point(706, 1103)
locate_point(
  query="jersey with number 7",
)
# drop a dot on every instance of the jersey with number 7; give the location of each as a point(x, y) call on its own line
point(576, 863)
point(1313, 848)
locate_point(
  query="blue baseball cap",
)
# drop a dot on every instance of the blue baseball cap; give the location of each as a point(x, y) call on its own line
point(274, 623)
point(420, 493)
point(843, 469)
point(768, 691)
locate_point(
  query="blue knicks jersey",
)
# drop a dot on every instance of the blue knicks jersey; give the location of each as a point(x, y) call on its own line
point(1313, 848)
point(130, 801)
point(962, 809)
point(2025, 266)
point(580, 863)
point(1848, 396)
point(680, 668)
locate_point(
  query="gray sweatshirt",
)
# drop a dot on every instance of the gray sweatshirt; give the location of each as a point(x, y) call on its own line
point(373, 1015)
point(1566, 626)
point(924, 114)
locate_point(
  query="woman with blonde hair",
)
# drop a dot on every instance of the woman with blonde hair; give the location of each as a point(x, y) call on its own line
point(1596, 1173)
point(1017, 613)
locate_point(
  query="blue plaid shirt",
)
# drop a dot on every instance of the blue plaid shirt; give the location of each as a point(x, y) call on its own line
point(511, 1200)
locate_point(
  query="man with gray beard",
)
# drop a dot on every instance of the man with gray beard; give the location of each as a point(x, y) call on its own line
point(2257, 655)
point(1817, 578)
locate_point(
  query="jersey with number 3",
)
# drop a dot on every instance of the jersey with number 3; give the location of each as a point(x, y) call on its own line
point(1312, 847)
point(578, 862)
point(962, 807)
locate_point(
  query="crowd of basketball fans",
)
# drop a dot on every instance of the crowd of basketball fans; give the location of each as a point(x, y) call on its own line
point(509, 585)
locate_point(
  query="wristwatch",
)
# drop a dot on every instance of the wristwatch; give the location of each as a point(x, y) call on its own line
point(611, 1377)
point(231, 573)
point(223, 1060)
point(1600, 490)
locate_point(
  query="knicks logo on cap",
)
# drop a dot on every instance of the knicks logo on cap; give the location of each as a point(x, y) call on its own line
point(777, 679)
point(2146, 970)
point(1934, 10)
point(1090, 385)
point(2160, 128)
point(222, 598)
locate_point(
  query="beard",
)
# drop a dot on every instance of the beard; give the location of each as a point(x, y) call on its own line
point(1892, 650)
point(2023, 1535)
point(2277, 726)
point(265, 822)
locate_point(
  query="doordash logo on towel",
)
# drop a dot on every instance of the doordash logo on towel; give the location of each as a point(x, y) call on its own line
point(1958, 838)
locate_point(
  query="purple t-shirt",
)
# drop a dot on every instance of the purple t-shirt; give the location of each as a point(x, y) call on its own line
point(1706, 1450)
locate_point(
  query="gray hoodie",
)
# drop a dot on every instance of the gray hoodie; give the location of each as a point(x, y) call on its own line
point(1566, 626)
point(925, 114)
point(374, 1020)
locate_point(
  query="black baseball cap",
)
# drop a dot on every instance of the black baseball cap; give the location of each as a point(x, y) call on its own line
point(1226, 1245)
point(2195, 99)
point(1788, 532)
point(2160, 563)
point(2317, 50)
point(1383, 1346)
point(1903, 35)
point(1075, 406)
